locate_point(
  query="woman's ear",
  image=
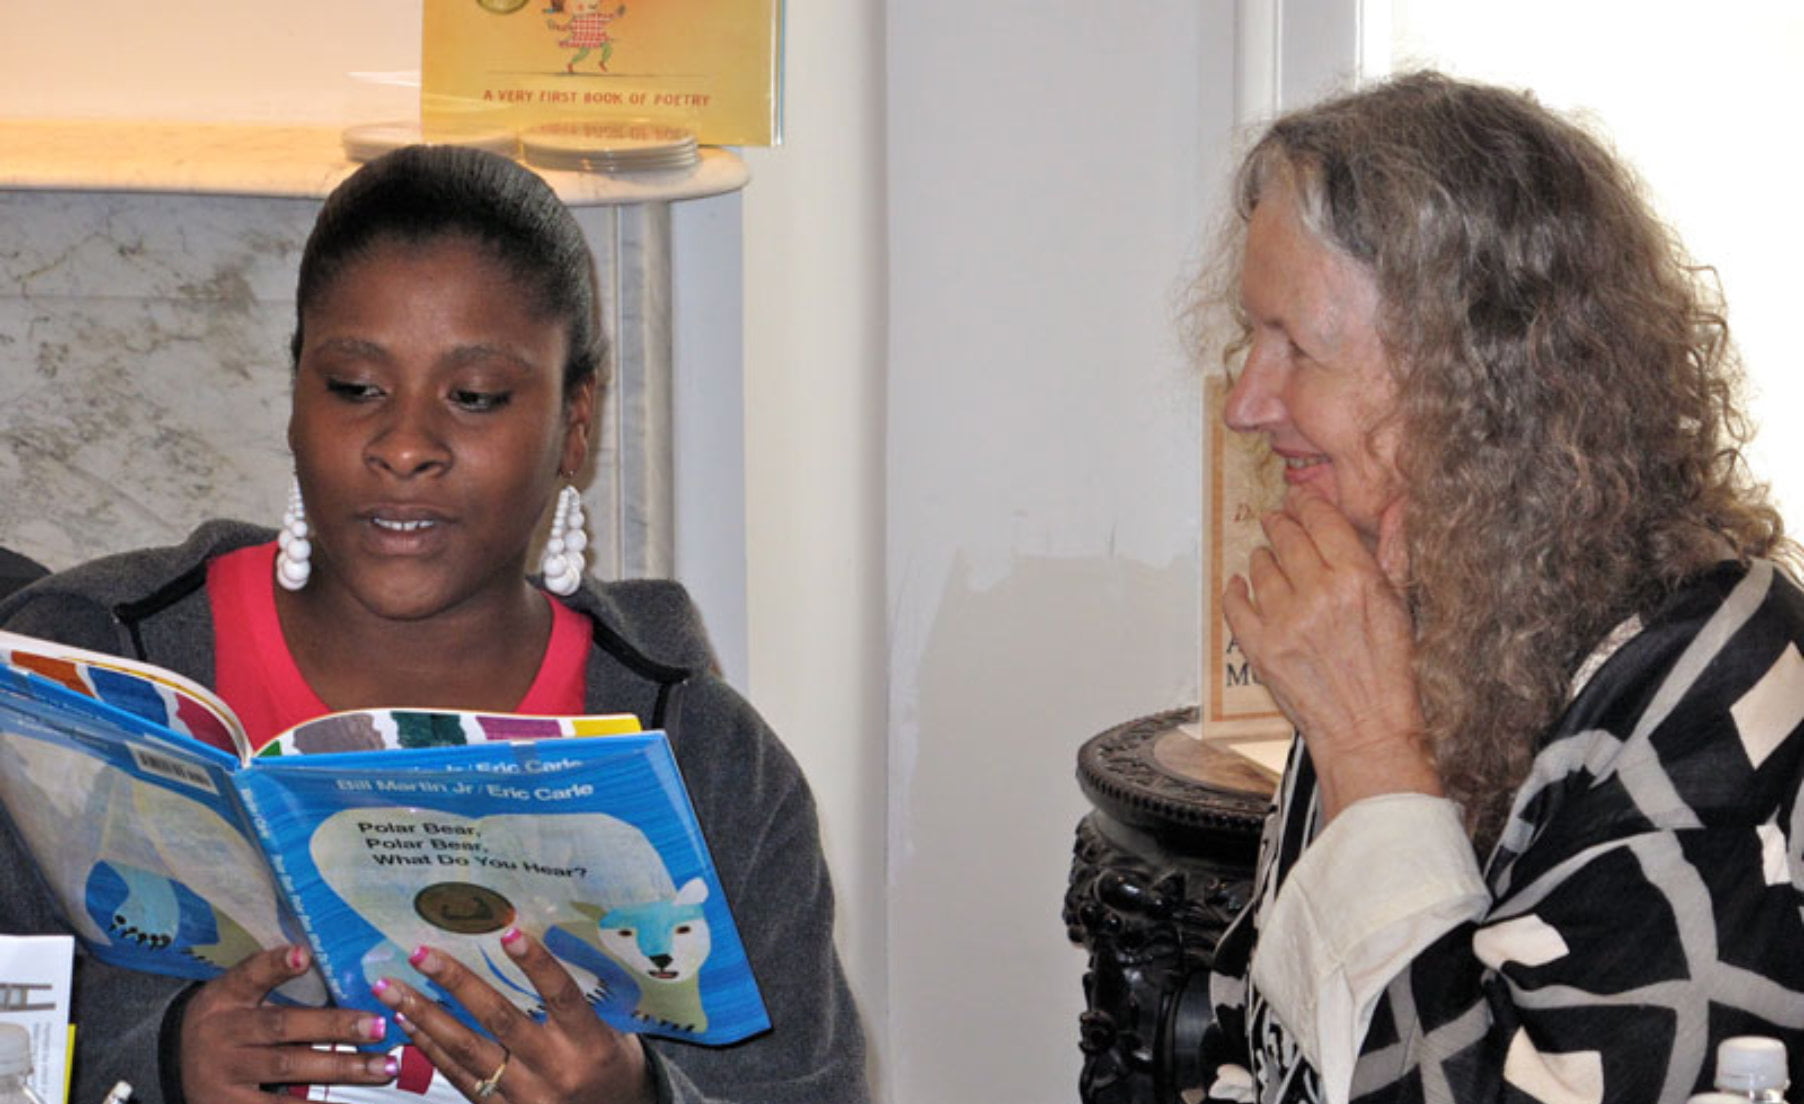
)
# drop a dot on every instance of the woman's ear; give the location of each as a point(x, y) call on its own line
point(579, 415)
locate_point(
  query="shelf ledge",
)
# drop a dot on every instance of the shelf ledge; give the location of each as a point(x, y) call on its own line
point(244, 159)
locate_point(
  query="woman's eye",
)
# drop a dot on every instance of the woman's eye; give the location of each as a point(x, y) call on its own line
point(481, 402)
point(353, 390)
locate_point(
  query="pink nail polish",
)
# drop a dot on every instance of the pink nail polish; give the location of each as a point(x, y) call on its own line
point(297, 958)
point(509, 936)
point(418, 956)
point(401, 1018)
point(380, 986)
point(392, 1067)
point(376, 1028)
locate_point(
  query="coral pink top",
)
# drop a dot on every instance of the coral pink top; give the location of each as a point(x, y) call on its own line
point(254, 671)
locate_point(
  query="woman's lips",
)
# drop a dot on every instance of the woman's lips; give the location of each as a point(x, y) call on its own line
point(404, 530)
point(1301, 469)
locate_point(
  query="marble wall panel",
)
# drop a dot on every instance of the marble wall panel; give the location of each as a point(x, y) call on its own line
point(144, 365)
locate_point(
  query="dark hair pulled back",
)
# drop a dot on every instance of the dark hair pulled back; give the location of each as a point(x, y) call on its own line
point(421, 194)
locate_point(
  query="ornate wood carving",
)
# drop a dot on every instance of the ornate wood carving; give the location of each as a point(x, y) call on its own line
point(1159, 870)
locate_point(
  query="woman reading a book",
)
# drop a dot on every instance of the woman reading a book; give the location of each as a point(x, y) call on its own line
point(1540, 834)
point(447, 356)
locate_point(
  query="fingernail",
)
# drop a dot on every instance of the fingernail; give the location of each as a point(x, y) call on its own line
point(375, 1028)
point(401, 1018)
point(297, 959)
point(391, 1068)
point(418, 958)
point(510, 941)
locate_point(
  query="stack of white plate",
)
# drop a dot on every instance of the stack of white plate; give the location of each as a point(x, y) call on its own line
point(371, 140)
point(609, 146)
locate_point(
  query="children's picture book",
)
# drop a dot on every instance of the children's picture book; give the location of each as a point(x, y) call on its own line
point(172, 848)
point(713, 67)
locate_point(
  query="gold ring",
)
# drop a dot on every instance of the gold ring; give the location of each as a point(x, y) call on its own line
point(486, 1087)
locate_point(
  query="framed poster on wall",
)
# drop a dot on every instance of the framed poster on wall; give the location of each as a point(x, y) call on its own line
point(1242, 480)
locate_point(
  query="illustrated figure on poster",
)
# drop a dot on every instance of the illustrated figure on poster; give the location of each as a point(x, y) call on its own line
point(585, 31)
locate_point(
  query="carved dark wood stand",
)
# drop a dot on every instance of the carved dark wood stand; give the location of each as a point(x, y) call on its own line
point(1161, 866)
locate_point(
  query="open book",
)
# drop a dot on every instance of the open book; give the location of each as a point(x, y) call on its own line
point(366, 834)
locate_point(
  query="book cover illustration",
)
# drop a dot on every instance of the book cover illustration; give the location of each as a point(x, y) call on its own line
point(710, 66)
point(137, 833)
point(172, 856)
point(452, 846)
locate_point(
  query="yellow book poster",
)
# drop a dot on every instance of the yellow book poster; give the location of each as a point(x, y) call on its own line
point(1241, 481)
point(710, 66)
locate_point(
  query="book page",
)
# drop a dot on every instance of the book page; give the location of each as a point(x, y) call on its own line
point(380, 729)
point(158, 695)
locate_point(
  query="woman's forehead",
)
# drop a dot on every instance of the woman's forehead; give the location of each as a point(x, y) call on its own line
point(1290, 275)
point(434, 258)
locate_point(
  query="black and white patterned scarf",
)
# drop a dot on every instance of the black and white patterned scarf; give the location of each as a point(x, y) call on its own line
point(1647, 892)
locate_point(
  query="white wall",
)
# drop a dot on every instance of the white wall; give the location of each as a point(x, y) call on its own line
point(1048, 167)
point(972, 478)
point(814, 283)
point(323, 61)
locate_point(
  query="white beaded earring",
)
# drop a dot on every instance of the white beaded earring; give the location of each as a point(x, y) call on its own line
point(562, 563)
point(293, 549)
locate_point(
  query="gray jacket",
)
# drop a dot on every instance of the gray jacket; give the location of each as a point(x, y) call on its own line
point(651, 657)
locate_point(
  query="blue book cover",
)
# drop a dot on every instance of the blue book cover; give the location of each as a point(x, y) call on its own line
point(446, 829)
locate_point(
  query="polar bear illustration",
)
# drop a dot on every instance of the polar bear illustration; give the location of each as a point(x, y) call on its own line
point(141, 868)
point(422, 877)
point(662, 945)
